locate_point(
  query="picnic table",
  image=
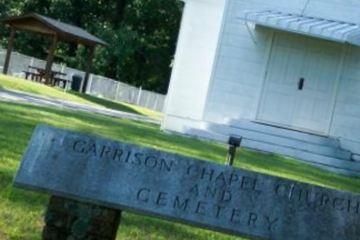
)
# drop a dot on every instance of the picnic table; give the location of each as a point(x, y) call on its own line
point(56, 77)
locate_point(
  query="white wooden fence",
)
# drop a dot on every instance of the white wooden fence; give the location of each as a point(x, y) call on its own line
point(98, 85)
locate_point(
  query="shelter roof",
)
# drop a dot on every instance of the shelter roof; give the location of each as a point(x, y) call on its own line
point(38, 23)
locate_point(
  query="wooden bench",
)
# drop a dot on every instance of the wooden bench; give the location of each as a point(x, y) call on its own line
point(33, 76)
point(64, 82)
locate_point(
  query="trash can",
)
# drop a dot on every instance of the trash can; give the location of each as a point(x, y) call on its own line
point(76, 82)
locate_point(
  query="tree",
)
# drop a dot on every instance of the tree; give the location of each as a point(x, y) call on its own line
point(141, 35)
point(154, 26)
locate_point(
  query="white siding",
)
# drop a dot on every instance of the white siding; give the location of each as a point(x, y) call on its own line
point(241, 60)
point(346, 122)
point(236, 84)
point(292, 6)
point(206, 90)
point(196, 50)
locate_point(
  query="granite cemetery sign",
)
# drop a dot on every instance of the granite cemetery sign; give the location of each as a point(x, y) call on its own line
point(183, 189)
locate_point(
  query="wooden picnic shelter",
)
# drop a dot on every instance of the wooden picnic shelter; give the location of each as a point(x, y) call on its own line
point(56, 30)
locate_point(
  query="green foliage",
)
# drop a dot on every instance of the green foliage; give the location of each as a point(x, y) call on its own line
point(22, 212)
point(141, 35)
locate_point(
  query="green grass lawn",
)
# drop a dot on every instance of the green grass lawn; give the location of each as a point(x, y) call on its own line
point(21, 212)
point(19, 84)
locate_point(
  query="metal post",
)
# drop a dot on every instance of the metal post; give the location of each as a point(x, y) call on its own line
point(234, 142)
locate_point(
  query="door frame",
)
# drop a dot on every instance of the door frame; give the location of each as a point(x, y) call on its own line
point(337, 87)
point(334, 94)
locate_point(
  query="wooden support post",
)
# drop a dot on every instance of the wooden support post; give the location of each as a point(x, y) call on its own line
point(91, 51)
point(70, 219)
point(50, 60)
point(9, 50)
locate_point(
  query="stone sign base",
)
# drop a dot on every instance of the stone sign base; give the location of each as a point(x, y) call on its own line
point(73, 220)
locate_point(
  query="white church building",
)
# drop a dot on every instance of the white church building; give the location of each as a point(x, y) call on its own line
point(284, 75)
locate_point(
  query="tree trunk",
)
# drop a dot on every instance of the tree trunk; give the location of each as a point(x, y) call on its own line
point(119, 11)
point(9, 51)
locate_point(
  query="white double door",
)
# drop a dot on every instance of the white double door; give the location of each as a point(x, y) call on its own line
point(300, 85)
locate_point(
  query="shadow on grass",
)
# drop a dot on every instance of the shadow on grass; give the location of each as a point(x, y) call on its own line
point(297, 170)
point(106, 103)
point(20, 121)
point(19, 196)
point(165, 228)
point(140, 133)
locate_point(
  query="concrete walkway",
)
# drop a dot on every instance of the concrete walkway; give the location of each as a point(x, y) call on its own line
point(21, 97)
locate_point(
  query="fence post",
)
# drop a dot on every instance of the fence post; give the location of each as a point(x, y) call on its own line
point(156, 103)
point(31, 63)
point(117, 91)
point(139, 96)
point(89, 86)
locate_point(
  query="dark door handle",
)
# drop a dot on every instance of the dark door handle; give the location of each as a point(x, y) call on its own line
point(301, 83)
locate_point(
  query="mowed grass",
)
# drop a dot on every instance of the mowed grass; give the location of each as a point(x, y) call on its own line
point(21, 212)
point(19, 84)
